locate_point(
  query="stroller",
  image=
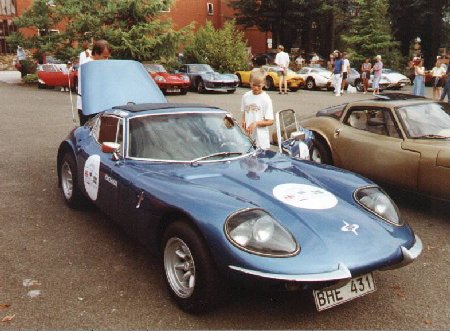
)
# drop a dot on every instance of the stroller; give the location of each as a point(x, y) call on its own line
point(291, 138)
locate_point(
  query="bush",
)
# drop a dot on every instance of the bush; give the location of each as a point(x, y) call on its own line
point(30, 79)
point(224, 49)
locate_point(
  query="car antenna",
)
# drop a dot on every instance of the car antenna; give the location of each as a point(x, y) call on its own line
point(71, 99)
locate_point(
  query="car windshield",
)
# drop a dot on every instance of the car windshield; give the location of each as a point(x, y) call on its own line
point(200, 68)
point(186, 137)
point(155, 68)
point(427, 120)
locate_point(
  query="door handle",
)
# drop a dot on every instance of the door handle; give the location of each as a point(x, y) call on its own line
point(140, 199)
point(336, 132)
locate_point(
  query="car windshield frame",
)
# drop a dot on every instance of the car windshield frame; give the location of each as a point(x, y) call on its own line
point(186, 136)
point(413, 125)
point(199, 68)
point(153, 68)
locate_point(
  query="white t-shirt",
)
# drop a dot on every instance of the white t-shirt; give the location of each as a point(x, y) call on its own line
point(258, 108)
point(437, 71)
point(345, 65)
point(79, 102)
point(84, 56)
point(282, 59)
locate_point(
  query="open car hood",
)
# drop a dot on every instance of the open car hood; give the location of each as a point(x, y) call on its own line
point(109, 83)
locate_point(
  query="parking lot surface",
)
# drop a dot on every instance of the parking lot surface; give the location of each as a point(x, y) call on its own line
point(66, 269)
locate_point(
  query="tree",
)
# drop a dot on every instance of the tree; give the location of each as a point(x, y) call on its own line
point(132, 27)
point(370, 34)
point(224, 49)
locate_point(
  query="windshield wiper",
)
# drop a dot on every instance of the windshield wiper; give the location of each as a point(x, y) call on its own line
point(215, 155)
point(432, 136)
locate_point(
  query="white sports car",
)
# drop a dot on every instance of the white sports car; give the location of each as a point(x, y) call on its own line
point(315, 77)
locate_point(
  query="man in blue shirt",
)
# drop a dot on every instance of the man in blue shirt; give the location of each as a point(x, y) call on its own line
point(337, 73)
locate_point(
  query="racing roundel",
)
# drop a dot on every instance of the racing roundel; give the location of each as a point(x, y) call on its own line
point(304, 196)
point(91, 175)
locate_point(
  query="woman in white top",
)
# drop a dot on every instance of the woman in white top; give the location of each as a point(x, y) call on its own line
point(438, 73)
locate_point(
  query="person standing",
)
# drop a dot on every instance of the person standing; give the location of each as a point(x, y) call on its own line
point(337, 74)
point(100, 51)
point(446, 89)
point(366, 67)
point(419, 79)
point(282, 61)
point(85, 53)
point(345, 71)
point(21, 58)
point(437, 74)
point(377, 71)
point(257, 111)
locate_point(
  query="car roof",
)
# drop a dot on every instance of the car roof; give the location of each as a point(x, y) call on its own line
point(392, 100)
point(129, 110)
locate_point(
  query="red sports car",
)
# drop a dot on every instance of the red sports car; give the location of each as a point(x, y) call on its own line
point(168, 83)
point(52, 75)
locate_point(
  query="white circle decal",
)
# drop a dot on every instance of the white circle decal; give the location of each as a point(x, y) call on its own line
point(91, 176)
point(304, 196)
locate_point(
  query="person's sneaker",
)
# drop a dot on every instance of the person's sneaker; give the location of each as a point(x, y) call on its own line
point(337, 95)
point(62, 89)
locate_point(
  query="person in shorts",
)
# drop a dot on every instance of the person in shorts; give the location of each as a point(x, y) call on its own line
point(366, 67)
point(282, 61)
point(377, 71)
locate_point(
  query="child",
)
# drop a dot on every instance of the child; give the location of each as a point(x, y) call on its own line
point(257, 111)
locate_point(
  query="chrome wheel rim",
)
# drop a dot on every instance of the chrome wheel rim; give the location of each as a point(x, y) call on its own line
point(310, 84)
point(180, 268)
point(315, 155)
point(66, 180)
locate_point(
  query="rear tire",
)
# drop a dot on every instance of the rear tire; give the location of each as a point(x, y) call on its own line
point(359, 85)
point(201, 86)
point(190, 274)
point(310, 84)
point(269, 85)
point(320, 153)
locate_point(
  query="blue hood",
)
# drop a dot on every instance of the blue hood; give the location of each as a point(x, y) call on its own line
point(109, 83)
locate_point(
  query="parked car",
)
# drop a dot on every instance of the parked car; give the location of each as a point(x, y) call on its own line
point(167, 82)
point(315, 77)
point(396, 139)
point(264, 58)
point(294, 81)
point(55, 75)
point(203, 78)
point(355, 80)
point(185, 180)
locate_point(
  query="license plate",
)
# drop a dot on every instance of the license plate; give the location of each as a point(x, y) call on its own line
point(355, 288)
point(173, 90)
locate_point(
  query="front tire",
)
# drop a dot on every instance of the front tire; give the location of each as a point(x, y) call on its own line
point(69, 183)
point(359, 85)
point(310, 84)
point(269, 85)
point(190, 274)
point(320, 153)
point(201, 86)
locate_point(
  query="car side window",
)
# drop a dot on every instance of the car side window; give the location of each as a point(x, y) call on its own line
point(378, 121)
point(108, 129)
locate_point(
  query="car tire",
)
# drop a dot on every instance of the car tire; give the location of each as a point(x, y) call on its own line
point(196, 285)
point(231, 91)
point(41, 86)
point(269, 85)
point(69, 183)
point(293, 89)
point(201, 86)
point(310, 84)
point(359, 85)
point(183, 91)
point(320, 152)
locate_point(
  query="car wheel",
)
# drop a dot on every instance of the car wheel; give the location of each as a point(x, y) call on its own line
point(190, 274)
point(293, 89)
point(42, 86)
point(269, 85)
point(201, 86)
point(320, 153)
point(184, 91)
point(359, 85)
point(310, 84)
point(69, 183)
point(231, 91)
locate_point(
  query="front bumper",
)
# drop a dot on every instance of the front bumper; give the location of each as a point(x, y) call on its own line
point(220, 85)
point(342, 273)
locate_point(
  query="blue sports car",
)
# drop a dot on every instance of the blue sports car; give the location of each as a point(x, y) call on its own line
point(184, 180)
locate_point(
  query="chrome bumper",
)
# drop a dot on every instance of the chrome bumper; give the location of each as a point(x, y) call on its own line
point(409, 255)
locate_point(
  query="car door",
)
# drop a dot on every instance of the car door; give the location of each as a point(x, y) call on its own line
point(97, 177)
point(370, 143)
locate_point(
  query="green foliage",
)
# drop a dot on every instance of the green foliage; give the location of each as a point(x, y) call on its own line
point(30, 79)
point(132, 27)
point(370, 35)
point(224, 49)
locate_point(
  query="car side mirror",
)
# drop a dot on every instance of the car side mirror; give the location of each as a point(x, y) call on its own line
point(111, 148)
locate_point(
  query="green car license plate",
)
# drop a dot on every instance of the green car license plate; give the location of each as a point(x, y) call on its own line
point(355, 288)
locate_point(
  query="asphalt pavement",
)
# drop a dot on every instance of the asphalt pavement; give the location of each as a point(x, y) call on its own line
point(66, 269)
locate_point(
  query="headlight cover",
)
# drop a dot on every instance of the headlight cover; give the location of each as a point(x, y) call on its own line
point(255, 231)
point(160, 79)
point(376, 201)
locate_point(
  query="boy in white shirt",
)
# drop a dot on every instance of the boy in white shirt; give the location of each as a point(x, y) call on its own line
point(345, 71)
point(257, 111)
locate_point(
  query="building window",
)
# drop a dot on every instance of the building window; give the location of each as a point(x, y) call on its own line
point(210, 8)
point(8, 7)
point(6, 28)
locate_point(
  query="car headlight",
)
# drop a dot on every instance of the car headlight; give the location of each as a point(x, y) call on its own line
point(376, 201)
point(185, 78)
point(210, 77)
point(255, 231)
point(160, 79)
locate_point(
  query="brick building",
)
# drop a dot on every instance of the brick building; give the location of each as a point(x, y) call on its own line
point(182, 12)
